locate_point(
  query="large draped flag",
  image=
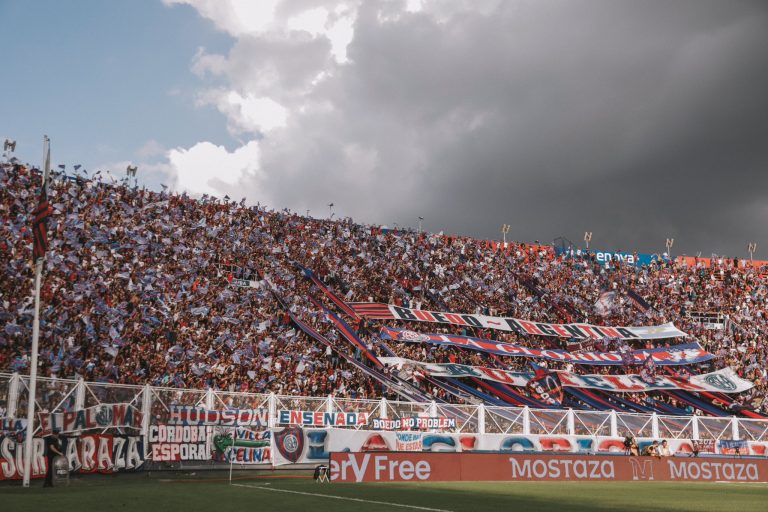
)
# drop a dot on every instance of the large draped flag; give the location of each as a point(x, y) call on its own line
point(722, 381)
point(689, 353)
point(524, 327)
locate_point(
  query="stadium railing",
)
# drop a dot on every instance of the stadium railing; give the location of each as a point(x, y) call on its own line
point(64, 395)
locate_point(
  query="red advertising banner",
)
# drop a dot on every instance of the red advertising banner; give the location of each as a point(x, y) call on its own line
point(446, 467)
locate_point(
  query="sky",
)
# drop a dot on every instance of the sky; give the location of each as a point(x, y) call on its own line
point(637, 121)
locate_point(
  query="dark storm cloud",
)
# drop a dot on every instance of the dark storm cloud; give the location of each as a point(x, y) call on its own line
point(635, 120)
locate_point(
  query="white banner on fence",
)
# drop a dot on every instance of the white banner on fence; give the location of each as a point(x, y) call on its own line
point(722, 381)
point(100, 416)
point(192, 415)
point(315, 445)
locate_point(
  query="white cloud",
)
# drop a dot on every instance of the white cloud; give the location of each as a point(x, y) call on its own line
point(285, 76)
point(206, 168)
point(313, 21)
point(237, 17)
point(247, 114)
point(150, 149)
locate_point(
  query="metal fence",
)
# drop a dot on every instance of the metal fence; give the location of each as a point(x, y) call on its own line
point(64, 395)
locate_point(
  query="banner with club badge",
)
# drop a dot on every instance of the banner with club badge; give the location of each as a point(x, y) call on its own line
point(721, 381)
point(689, 353)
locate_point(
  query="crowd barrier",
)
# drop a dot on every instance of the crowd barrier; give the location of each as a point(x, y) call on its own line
point(477, 467)
point(111, 428)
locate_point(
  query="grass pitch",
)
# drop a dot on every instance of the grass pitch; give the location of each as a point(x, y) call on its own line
point(143, 494)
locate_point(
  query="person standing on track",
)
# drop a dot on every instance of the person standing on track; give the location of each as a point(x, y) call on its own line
point(52, 449)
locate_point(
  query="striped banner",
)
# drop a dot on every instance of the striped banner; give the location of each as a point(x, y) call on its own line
point(580, 331)
point(689, 353)
point(722, 381)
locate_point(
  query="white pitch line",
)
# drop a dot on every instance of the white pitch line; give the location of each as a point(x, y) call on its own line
point(341, 498)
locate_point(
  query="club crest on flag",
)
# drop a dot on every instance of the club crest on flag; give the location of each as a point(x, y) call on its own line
point(104, 416)
point(413, 337)
point(545, 386)
point(290, 443)
point(720, 381)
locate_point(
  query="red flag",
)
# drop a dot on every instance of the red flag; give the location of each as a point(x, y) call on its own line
point(40, 226)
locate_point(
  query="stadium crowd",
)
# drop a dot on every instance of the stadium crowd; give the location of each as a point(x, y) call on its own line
point(155, 287)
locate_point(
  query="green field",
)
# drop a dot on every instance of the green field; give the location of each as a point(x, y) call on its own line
point(144, 494)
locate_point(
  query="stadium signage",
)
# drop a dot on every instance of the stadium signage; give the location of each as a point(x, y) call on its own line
point(104, 453)
point(723, 381)
point(699, 470)
point(13, 424)
point(556, 468)
point(191, 415)
point(243, 446)
point(322, 419)
point(245, 283)
point(390, 312)
point(295, 444)
point(91, 453)
point(689, 353)
point(410, 466)
point(414, 423)
point(637, 259)
point(379, 468)
point(97, 417)
point(176, 443)
point(408, 442)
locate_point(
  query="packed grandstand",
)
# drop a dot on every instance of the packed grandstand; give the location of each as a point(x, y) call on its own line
point(159, 288)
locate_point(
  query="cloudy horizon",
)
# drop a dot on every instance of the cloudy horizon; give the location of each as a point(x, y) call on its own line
point(637, 121)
